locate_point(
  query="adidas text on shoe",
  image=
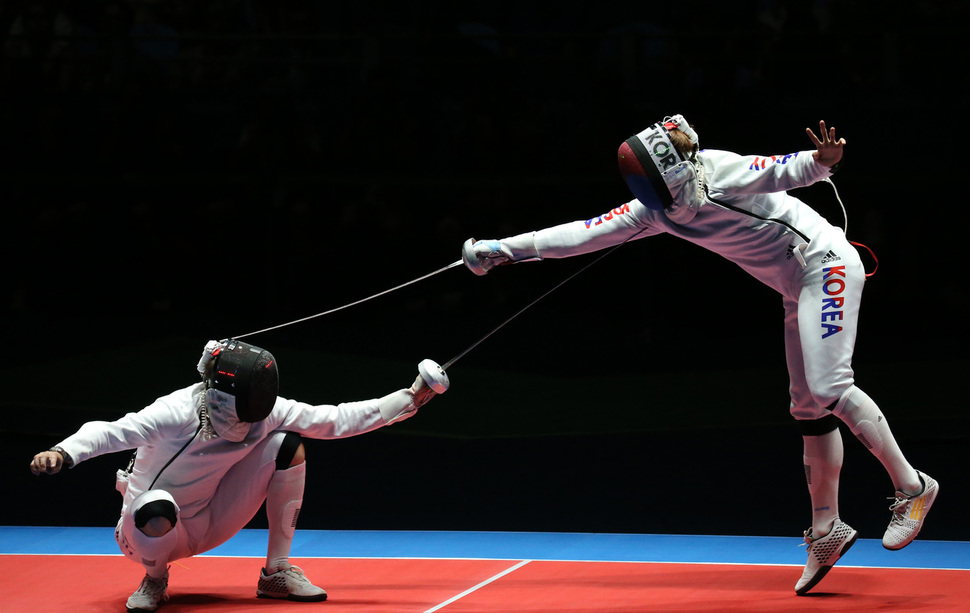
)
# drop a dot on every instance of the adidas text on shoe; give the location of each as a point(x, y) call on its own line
point(823, 553)
point(909, 513)
point(149, 594)
point(289, 584)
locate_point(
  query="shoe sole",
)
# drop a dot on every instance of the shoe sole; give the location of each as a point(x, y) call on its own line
point(824, 570)
point(293, 597)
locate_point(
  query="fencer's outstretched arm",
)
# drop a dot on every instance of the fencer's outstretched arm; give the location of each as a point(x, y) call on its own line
point(175, 416)
point(612, 228)
point(327, 421)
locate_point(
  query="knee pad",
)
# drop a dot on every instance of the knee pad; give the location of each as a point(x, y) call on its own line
point(291, 442)
point(845, 403)
point(863, 417)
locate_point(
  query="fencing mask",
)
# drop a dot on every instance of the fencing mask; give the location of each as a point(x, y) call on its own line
point(241, 382)
point(660, 176)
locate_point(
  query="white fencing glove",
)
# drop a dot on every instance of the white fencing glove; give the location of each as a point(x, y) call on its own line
point(482, 256)
point(399, 405)
point(420, 392)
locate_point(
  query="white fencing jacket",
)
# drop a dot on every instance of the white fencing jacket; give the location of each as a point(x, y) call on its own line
point(163, 428)
point(747, 218)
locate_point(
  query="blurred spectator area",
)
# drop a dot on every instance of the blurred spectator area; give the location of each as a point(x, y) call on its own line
point(135, 133)
point(142, 86)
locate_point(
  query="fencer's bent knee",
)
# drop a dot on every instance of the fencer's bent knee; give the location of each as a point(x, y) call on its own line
point(816, 406)
point(156, 518)
point(157, 526)
point(846, 403)
point(292, 451)
point(299, 457)
point(858, 411)
point(148, 529)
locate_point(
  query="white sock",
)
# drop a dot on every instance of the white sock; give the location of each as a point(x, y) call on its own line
point(823, 462)
point(858, 411)
point(283, 502)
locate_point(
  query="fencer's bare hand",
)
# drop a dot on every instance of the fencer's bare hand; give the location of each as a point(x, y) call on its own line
point(828, 150)
point(47, 462)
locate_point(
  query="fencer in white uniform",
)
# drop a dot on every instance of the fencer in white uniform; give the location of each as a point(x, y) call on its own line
point(738, 206)
point(208, 455)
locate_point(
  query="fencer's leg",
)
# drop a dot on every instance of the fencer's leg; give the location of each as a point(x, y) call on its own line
point(821, 439)
point(823, 455)
point(149, 531)
point(827, 322)
point(148, 534)
point(863, 417)
point(814, 368)
point(829, 538)
point(239, 496)
point(284, 500)
point(915, 491)
point(280, 579)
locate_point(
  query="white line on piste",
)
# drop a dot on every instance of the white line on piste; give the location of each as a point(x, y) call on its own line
point(480, 585)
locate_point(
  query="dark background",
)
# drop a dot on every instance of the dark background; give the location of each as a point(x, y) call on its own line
point(176, 171)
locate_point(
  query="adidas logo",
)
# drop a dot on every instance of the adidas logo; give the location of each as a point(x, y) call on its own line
point(830, 257)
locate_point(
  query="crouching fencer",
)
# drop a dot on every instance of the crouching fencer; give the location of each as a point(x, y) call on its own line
point(208, 455)
point(738, 207)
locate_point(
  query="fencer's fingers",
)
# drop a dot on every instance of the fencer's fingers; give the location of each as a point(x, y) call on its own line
point(45, 463)
point(38, 465)
point(813, 138)
point(831, 137)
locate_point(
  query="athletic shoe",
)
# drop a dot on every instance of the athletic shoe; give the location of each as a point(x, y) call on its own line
point(149, 594)
point(290, 584)
point(909, 513)
point(823, 552)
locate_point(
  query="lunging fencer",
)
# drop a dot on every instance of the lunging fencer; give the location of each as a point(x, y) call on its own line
point(738, 207)
point(208, 455)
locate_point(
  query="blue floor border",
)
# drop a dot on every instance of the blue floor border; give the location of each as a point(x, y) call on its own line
point(562, 546)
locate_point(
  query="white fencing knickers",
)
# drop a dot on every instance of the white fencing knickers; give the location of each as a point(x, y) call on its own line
point(236, 500)
point(820, 327)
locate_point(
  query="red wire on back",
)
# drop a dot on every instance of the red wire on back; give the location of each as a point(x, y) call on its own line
point(872, 253)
